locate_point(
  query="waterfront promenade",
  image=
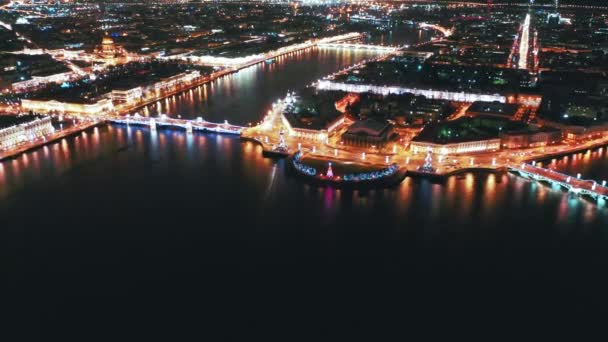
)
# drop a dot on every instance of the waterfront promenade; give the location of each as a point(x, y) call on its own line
point(76, 128)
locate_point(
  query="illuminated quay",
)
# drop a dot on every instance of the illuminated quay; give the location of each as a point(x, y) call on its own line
point(236, 63)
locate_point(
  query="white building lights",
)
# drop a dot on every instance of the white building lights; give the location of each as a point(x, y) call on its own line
point(428, 93)
point(11, 136)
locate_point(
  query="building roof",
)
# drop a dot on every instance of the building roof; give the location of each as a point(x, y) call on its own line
point(529, 130)
point(313, 111)
point(369, 127)
point(495, 108)
point(107, 40)
point(11, 120)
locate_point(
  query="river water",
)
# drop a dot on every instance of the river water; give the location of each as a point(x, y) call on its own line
point(245, 97)
point(139, 228)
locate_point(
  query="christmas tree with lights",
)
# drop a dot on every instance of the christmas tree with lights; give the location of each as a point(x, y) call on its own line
point(330, 172)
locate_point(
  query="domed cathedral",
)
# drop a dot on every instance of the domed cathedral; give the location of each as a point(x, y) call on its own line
point(108, 49)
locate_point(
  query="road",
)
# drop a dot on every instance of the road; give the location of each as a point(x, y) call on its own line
point(524, 44)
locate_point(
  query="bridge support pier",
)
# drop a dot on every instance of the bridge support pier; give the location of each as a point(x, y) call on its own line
point(153, 124)
point(189, 128)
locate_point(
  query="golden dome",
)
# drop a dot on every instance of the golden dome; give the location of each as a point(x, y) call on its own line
point(107, 41)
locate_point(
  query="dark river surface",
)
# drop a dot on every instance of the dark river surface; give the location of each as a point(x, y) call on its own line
point(122, 233)
point(245, 97)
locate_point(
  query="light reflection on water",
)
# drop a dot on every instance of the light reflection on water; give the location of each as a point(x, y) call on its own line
point(225, 170)
point(215, 164)
point(243, 97)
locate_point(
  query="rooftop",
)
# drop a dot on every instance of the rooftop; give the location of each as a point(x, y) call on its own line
point(368, 127)
point(496, 108)
point(466, 129)
point(9, 120)
point(313, 110)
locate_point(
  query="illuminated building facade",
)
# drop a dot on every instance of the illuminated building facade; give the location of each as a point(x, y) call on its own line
point(457, 147)
point(581, 133)
point(132, 95)
point(40, 106)
point(524, 139)
point(136, 94)
point(40, 81)
point(314, 134)
point(13, 135)
point(368, 133)
point(428, 93)
point(105, 103)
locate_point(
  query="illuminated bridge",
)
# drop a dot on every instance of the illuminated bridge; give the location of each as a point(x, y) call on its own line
point(575, 185)
point(188, 125)
point(353, 46)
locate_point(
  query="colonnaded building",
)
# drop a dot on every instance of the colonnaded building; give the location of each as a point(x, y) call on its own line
point(15, 130)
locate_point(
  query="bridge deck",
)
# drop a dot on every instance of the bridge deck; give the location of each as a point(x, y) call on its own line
point(359, 46)
point(573, 183)
point(197, 125)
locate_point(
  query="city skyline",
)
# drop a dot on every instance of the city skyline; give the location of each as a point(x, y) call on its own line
point(258, 161)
